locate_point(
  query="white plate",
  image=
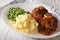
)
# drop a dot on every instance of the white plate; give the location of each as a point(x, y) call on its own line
point(29, 7)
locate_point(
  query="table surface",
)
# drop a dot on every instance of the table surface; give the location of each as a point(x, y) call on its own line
point(8, 34)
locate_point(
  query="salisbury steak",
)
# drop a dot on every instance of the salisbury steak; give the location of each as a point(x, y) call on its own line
point(47, 23)
point(39, 12)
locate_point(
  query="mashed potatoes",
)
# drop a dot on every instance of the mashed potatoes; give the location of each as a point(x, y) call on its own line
point(25, 23)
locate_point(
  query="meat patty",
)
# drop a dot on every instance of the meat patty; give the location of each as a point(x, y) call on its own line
point(38, 12)
point(47, 23)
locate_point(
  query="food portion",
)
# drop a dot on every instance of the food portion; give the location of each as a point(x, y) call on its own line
point(40, 20)
point(47, 23)
point(14, 12)
point(22, 20)
point(26, 23)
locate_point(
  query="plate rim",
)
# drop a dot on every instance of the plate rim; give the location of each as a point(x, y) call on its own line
point(24, 34)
